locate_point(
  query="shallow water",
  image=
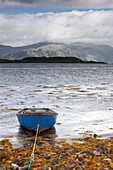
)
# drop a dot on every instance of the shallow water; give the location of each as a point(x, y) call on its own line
point(82, 94)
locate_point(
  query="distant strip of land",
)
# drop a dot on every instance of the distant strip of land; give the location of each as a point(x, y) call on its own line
point(48, 60)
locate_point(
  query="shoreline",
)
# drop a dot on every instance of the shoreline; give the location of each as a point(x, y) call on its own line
point(90, 153)
point(51, 60)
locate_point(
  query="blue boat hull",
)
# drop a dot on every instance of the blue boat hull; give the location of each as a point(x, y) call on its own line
point(31, 121)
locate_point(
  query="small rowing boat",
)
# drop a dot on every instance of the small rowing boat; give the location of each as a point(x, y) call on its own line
point(30, 118)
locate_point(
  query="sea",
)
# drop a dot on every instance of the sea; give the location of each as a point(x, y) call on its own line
point(81, 94)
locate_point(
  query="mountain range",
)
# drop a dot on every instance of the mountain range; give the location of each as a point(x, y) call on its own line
point(83, 51)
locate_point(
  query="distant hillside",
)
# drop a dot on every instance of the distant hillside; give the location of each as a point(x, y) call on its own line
point(4, 50)
point(83, 51)
point(88, 51)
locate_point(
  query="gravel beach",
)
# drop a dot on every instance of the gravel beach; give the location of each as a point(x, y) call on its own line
point(87, 153)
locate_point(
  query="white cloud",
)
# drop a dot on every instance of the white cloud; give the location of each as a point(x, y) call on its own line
point(62, 3)
point(75, 26)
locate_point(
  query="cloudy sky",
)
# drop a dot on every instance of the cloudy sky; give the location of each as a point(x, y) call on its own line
point(24, 22)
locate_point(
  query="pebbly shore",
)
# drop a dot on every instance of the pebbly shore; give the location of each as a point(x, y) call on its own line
point(89, 153)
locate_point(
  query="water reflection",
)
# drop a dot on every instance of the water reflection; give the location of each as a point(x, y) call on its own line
point(26, 137)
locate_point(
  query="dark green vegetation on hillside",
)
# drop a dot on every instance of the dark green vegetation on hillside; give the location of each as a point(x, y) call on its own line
point(47, 60)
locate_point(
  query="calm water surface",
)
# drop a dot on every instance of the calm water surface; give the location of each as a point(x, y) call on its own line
point(82, 94)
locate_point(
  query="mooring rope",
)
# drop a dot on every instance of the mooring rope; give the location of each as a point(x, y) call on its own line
point(32, 155)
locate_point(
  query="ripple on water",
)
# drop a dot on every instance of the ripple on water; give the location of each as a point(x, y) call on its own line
point(81, 98)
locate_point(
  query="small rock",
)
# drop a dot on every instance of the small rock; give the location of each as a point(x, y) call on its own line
point(80, 157)
point(97, 145)
point(46, 168)
point(19, 162)
point(80, 162)
point(98, 154)
point(69, 166)
point(14, 166)
point(83, 166)
point(107, 159)
point(102, 152)
point(94, 152)
point(47, 155)
point(99, 160)
point(53, 161)
point(59, 159)
point(24, 168)
point(79, 168)
point(109, 151)
point(1, 148)
point(64, 154)
point(72, 160)
point(85, 152)
point(55, 156)
point(65, 159)
point(95, 135)
point(2, 168)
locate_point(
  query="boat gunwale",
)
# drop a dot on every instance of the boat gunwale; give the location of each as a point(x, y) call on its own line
point(38, 111)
